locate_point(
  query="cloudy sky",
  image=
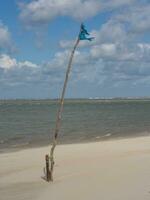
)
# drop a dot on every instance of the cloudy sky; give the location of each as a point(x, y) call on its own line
point(36, 37)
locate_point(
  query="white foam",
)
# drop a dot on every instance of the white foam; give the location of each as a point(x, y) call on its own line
point(106, 135)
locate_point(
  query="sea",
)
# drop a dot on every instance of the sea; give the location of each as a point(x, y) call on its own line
point(31, 123)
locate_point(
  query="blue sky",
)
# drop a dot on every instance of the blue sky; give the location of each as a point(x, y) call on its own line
point(36, 38)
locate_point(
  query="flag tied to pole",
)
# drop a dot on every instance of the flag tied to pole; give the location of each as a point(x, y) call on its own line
point(84, 33)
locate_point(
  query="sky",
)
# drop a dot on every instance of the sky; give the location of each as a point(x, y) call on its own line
point(36, 37)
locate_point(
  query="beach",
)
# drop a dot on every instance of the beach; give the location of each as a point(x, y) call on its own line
point(107, 170)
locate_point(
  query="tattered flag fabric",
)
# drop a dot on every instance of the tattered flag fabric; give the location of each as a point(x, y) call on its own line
point(83, 29)
point(83, 34)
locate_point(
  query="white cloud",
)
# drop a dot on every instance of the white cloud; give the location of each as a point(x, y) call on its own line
point(108, 50)
point(7, 63)
point(14, 73)
point(116, 3)
point(27, 64)
point(5, 37)
point(41, 12)
point(110, 32)
point(137, 18)
point(66, 43)
point(115, 63)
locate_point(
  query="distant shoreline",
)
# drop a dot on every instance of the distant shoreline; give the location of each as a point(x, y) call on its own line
point(72, 99)
point(81, 99)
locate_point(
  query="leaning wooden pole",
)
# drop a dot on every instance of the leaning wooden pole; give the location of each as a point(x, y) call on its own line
point(60, 110)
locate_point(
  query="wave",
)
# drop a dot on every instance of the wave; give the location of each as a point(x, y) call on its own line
point(20, 145)
point(103, 136)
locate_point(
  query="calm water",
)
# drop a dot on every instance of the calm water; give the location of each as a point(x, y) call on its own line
point(26, 123)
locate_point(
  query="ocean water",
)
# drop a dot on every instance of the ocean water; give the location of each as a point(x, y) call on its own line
point(28, 123)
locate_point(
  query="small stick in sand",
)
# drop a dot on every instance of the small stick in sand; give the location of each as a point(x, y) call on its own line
point(48, 174)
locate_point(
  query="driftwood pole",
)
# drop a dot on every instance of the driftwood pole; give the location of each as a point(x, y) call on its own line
point(60, 110)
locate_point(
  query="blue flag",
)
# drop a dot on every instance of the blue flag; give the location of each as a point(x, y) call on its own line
point(83, 34)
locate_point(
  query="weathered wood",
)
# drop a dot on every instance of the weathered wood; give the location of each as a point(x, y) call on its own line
point(60, 110)
point(48, 174)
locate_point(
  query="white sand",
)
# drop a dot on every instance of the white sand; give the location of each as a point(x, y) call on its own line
point(113, 170)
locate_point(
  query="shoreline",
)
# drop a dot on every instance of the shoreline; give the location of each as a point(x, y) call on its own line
point(37, 146)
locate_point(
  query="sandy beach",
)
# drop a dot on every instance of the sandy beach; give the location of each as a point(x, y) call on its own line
point(110, 170)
